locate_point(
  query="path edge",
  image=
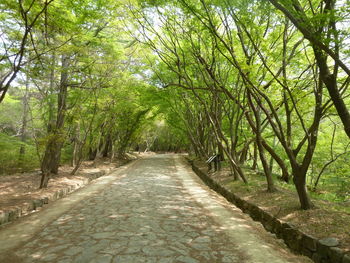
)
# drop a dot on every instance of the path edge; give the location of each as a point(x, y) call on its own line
point(34, 205)
point(297, 241)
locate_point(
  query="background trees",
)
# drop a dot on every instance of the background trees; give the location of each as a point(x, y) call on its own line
point(79, 82)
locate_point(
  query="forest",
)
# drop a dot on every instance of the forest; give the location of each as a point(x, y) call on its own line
point(264, 83)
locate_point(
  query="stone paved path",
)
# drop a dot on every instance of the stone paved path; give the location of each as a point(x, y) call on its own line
point(156, 212)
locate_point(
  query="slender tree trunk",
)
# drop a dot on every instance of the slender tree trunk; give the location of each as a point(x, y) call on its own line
point(77, 145)
point(234, 173)
point(106, 148)
point(271, 158)
point(75, 153)
point(46, 161)
point(255, 157)
point(280, 162)
point(244, 152)
point(61, 112)
point(100, 146)
point(257, 130)
point(23, 130)
point(78, 161)
point(239, 170)
point(270, 184)
point(112, 151)
point(92, 153)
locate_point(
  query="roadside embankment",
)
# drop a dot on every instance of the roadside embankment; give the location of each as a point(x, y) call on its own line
point(320, 250)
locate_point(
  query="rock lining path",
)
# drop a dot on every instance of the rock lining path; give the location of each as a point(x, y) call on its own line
point(154, 210)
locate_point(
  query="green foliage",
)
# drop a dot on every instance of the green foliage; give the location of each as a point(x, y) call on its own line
point(10, 114)
point(9, 155)
point(202, 76)
point(232, 78)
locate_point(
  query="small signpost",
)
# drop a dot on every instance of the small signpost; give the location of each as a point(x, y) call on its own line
point(215, 159)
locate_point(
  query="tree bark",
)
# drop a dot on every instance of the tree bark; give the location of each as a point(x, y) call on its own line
point(51, 159)
point(280, 162)
point(24, 122)
point(257, 130)
point(255, 156)
point(299, 180)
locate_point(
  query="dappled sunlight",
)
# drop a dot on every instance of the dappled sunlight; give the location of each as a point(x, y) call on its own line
point(156, 212)
point(238, 226)
point(37, 255)
point(19, 236)
point(64, 219)
point(290, 216)
point(115, 216)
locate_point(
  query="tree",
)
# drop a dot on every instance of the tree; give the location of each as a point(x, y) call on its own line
point(83, 33)
point(199, 39)
point(17, 23)
point(318, 24)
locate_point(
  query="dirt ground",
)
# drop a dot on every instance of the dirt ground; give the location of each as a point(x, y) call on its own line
point(18, 190)
point(321, 222)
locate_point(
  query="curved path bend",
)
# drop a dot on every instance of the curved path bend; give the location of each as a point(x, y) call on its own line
point(154, 210)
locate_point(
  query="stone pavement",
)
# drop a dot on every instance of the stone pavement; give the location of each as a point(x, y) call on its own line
point(157, 212)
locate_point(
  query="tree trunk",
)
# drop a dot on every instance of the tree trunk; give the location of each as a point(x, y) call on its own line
point(107, 146)
point(244, 152)
point(112, 152)
point(92, 154)
point(271, 158)
point(52, 156)
point(24, 123)
point(61, 112)
point(258, 133)
point(299, 179)
point(75, 153)
point(234, 173)
point(240, 172)
point(47, 162)
point(255, 157)
point(270, 184)
point(44, 180)
point(321, 51)
point(280, 162)
point(77, 145)
point(330, 82)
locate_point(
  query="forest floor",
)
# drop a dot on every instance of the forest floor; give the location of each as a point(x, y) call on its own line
point(325, 220)
point(18, 190)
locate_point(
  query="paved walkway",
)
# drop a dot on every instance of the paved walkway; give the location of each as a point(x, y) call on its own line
point(154, 210)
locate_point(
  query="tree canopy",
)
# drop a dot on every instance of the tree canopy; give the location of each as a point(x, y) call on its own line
point(262, 83)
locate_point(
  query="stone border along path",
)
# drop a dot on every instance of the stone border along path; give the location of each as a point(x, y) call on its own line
point(34, 205)
point(320, 251)
point(153, 210)
point(22, 230)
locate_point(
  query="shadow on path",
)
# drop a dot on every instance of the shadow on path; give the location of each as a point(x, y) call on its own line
point(154, 211)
